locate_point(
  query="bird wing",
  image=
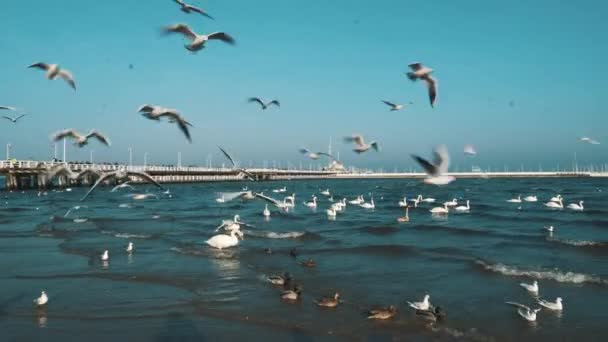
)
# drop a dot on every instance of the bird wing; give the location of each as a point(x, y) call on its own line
point(146, 177)
point(102, 138)
point(518, 305)
point(389, 103)
point(7, 117)
point(229, 196)
point(7, 108)
point(326, 154)
point(248, 175)
point(99, 181)
point(227, 156)
point(432, 85)
point(267, 199)
point(181, 123)
point(428, 167)
point(303, 150)
point(357, 139)
point(226, 38)
point(61, 168)
point(92, 171)
point(416, 66)
point(19, 117)
point(146, 108)
point(180, 2)
point(256, 99)
point(180, 28)
point(198, 10)
point(39, 65)
point(274, 102)
point(442, 159)
point(66, 133)
point(67, 76)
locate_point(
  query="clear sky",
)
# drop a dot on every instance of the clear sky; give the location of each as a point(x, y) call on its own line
point(521, 80)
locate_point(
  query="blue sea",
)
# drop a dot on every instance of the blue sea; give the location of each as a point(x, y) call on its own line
point(175, 287)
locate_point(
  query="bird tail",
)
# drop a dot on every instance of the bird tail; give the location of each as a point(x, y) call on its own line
point(411, 76)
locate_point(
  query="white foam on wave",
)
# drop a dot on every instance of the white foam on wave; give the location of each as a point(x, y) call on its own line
point(287, 235)
point(577, 243)
point(556, 274)
point(126, 235)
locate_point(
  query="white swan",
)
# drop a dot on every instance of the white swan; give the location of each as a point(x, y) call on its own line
point(424, 305)
point(289, 201)
point(452, 203)
point(369, 205)
point(556, 205)
point(531, 199)
point(577, 207)
point(405, 218)
point(266, 212)
point(311, 204)
point(130, 248)
point(557, 306)
point(230, 225)
point(556, 198)
point(325, 192)
point(221, 199)
point(340, 205)
point(43, 299)
point(331, 212)
point(440, 210)
point(515, 200)
point(357, 201)
point(105, 256)
point(530, 287)
point(427, 200)
point(403, 203)
point(221, 241)
point(463, 208)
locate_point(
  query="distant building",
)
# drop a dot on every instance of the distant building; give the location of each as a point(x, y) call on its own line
point(335, 166)
point(475, 169)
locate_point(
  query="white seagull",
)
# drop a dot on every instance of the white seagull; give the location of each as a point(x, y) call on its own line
point(424, 305)
point(187, 8)
point(156, 112)
point(589, 141)
point(577, 207)
point(394, 106)
point(314, 155)
point(264, 105)
point(42, 300)
point(530, 287)
point(557, 306)
point(121, 174)
point(197, 41)
point(80, 139)
point(360, 145)
point(419, 71)
point(53, 71)
point(437, 170)
point(105, 256)
point(130, 248)
point(15, 118)
point(525, 312)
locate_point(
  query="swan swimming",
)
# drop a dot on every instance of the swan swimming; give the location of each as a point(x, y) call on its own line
point(463, 208)
point(452, 203)
point(531, 199)
point(42, 300)
point(130, 248)
point(577, 207)
point(556, 198)
point(105, 256)
point(325, 192)
point(440, 210)
point(515, 200)
point(221, 241)
point(266, 212)
point(405, 218)
point(369, 205)
point(556, 205)
point(403, 203)
point(311, 204)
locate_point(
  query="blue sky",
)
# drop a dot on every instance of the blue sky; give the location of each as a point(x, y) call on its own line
point(329, 63)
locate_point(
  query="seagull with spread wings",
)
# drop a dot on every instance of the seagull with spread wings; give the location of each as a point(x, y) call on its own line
point(80, 139)
point(197, 41)
point(15, 118)
point(156, 112)
point(263, 104)
point(436, 171)
point(187, 8)
point(53, 71)
point(246, 173)
point(360, 145)
point(315, 155)
point(121, 175)
point(395, 106)
point(421, 72)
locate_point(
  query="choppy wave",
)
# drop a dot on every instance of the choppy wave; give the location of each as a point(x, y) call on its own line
point(555, 274)
point(126, 235)
point(580, 243)
point(282, 235)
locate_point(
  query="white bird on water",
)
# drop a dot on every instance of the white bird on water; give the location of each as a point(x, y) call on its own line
point(515, 200)
point(360, 145)
point(331, 212)
point(222, 241)
point(394, 106)
point(463, 208)
point(550, 229)
point(266, 212)
point(440, 210)
point(53, 71)
point(403, 203)
point(312, 203)
point(555, 205)
point(556, 198)
point(531, 287)
point(424, 305)
point(42, 300)
point(577, 207)
point(80, 139)
point(421, 72)
point(436, 171)
point(187, 8)
point(197, 41)
point(130, 248)
point(531, 199)
point(557, 306)
point(452, 203)
point(357, 200)
point(220, 199)
point(525, 312)
point(368, 205)
point(105, 256)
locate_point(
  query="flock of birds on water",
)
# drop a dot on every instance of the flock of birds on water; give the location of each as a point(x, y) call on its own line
point(436, 174)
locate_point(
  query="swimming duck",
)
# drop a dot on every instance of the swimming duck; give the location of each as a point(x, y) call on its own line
point(292, 295)
point(309, 263)
point(384, 313)
point(434, 314)
point(279, 279)
point(329, 302)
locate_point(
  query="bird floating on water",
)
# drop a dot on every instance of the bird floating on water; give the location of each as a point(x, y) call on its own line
point(360, 145)
point(525, 312)
point(433, 314)
point(105, 256)
point(153, 112)
point(42, 300)
point(187, 8)
point(436, 171)
point(556, 306)
point(197, 41)
point(463, 208)
point(222, 241)
point(531, 287)
point(531, 199)
point(555, 205)
point(421, 72)
point(405, 218)
point(292, 295)
point(130, 248)
point(80, 139)
point(515, 200)
point(425, 304)
point(53, 71)
point(383, 313)
point(576, 207)
point(328, 302)
point(264, 105)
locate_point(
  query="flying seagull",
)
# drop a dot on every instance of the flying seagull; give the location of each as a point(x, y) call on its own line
point(80, 139)
point(315, 155)
point(122, 174)
point(246, 173)
point(156, 112)
point(360, 145)
point(437, 170)
point(469, 150)
point(53, 71)
point(14, 119)
point(197, 41)
point(589, 141)
point(264, 105)
point(394, 106)
point(419, 71)
point(187, 8)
